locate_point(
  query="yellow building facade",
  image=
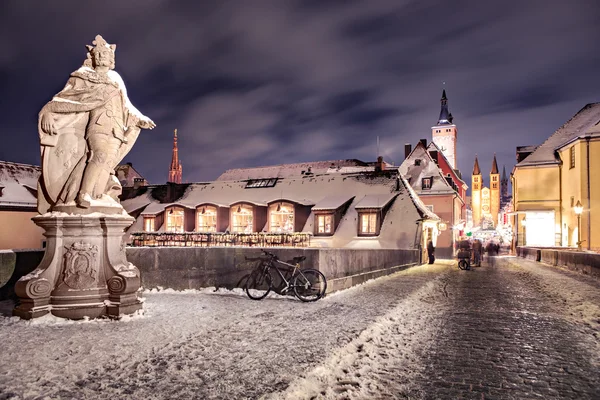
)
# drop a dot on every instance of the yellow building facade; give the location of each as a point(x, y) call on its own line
point(550, 181)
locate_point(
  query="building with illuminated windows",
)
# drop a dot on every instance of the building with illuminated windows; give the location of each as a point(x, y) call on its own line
point(345, 203)
point(550, 180)
point(485, 201)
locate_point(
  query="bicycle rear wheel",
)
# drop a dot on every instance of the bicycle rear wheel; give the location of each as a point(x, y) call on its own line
point(258, 285)
point(309, 285)
point(463, 264)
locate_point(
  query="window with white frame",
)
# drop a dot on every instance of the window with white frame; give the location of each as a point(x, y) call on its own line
point(281, 217)
point(149, 224)
point(426, 183)
point(324, 224)
point(206, 218)
point(242, 218)
point(175, 219)
point(368, 223)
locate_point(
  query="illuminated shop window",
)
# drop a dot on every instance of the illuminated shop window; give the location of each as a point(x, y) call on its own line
point(175, 219)
point(368, 223)
point(149, 224)
point(324, 223)
point(281, 217)
point(206, 216)
point(242, 217)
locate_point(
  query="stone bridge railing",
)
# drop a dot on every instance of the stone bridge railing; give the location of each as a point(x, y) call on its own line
point(582, 261)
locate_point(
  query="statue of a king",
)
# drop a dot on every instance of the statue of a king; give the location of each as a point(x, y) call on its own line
point(85, 131)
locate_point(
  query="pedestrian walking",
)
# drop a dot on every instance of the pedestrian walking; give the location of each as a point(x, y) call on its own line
point(431, 252)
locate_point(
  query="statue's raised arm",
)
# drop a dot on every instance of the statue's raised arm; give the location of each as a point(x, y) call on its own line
point(85, 131)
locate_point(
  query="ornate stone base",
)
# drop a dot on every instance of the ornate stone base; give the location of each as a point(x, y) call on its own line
point(84, 272)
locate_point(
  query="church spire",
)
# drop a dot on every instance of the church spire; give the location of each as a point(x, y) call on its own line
point(175, 172)
point(494, 166)
point(445, 116)
point(504, 174)
point(476, 170)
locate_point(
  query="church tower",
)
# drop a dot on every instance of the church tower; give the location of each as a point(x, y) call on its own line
point(503, 187)
point(444, 133)
point(495, 191)
point(476, 186)
point(175, 171)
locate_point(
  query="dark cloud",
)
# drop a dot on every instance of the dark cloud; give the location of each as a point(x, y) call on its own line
point(275, 81)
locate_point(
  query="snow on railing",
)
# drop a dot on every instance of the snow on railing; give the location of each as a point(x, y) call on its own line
point(200, 239)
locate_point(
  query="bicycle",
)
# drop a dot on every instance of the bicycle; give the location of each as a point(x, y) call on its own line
point(307, 284)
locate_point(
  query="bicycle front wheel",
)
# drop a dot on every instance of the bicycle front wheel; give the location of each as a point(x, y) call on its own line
point(463, 264)
point(309, 285)
point(258, 285)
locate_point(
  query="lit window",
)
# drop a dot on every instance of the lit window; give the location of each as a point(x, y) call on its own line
point(324, 223)
point(149, 224)
point(207, 219)
point(368, 223)
point(426, 183)
point(572, 156)
point(260, 183)
point(281, 217)
point(242, 217)
point(175, 219)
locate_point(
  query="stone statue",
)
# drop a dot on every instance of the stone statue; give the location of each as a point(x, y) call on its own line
point(85, 131)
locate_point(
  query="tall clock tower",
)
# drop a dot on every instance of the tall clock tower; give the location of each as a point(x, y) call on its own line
point(445, 133)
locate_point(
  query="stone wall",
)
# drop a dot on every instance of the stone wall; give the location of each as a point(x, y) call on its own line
point(196, 267)
point(580, 261)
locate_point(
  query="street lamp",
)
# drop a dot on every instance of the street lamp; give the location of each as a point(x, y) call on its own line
point(578, 210)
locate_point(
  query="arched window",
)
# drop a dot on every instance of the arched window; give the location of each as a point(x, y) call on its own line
point(175, 219)
point(206, 218)
point(242, 218)
point(281, 217)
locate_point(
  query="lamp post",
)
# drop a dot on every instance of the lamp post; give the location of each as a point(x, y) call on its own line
point(578, 210)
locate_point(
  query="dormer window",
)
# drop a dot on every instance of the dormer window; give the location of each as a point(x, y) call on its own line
point(426, 183)
point(417, 162)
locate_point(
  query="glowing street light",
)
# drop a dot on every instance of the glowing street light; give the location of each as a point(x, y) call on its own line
point(578, 210)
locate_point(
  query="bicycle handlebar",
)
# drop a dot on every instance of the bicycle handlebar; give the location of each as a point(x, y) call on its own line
point(270, 255)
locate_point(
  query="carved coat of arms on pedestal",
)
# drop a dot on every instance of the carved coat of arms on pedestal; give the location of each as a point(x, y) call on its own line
point(81, 265)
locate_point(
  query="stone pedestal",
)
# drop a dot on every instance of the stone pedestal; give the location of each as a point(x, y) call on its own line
point(84, 272)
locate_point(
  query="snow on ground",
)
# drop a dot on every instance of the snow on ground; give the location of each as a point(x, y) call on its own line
point(576, 296)
point(207, 345)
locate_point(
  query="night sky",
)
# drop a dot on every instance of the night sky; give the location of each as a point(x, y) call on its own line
point(251, 83)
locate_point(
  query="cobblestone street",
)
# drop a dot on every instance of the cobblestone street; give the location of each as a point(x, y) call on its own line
point(511, 329)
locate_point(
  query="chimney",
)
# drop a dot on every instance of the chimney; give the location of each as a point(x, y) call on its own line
point(434, 155)
point(424, 142)
point(407, 149)
point(379, 164)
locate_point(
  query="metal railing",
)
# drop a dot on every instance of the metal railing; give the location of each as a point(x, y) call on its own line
point(198, 239)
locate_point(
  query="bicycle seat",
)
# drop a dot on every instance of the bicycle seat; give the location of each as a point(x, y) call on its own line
point(299, 259)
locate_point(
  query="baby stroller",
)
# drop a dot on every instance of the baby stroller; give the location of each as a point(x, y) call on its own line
point(464, 255)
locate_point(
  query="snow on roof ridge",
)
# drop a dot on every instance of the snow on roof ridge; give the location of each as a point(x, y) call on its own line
point(21, 164)
point(531, 158)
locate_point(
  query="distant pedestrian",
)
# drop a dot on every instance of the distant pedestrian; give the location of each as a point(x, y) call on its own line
point(477, 249)
point(431, 252)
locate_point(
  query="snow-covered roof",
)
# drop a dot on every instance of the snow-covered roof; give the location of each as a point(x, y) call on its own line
point(375, 200)
point(126, 174)
point(325, 192)
point(332, 202)
point(580, 124)
point(419, 165)
point(289, 170)
point(19, 185)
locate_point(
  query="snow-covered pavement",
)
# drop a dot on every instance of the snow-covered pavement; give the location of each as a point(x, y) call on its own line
point(388, 338)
